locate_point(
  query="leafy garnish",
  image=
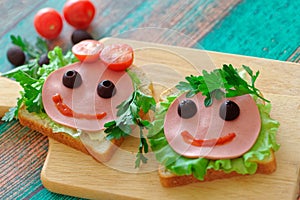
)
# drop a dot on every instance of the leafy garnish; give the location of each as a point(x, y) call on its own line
point(220, 82)
point(129, 114)
point(36, 51)
point(31, 77)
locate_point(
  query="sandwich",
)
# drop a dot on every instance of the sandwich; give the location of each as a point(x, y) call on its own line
point(89, 99)
point(213, 126)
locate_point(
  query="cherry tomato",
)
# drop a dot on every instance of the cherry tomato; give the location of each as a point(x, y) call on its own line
point(48, 23)
point(117, 57)
point(79, 13)
point(87, 50)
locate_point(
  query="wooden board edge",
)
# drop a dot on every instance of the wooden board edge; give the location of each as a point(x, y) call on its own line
point(65, 189)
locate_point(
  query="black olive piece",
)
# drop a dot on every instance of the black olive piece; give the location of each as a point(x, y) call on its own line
point(72, 79)
point(44, 60)
point(186, 108)
point(106, 89)
point(80, 35)
point(229, 110)
point(16, 56)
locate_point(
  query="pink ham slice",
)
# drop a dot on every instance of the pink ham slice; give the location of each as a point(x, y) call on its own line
point(85, 99)
point(207, 125)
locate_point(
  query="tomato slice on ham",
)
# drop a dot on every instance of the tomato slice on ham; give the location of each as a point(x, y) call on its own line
point(117, 57)
point(88, 50)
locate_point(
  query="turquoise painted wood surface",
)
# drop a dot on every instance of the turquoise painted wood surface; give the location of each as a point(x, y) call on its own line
point(269, 29)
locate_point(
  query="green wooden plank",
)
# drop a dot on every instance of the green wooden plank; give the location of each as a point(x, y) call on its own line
point(269, 29)
point(23, 27)
point(10, 13)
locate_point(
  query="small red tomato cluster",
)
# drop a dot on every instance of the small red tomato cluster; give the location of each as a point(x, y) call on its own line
point(78, 13)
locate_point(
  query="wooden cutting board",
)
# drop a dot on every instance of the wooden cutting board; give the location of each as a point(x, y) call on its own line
point(70, 172)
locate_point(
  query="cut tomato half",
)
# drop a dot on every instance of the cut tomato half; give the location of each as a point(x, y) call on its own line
point(117, 57)
point(88, 50)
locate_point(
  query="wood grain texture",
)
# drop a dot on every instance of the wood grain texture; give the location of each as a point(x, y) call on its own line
point(189, 19)
point(10, 12)
point(8, 94)
point(70, 172)
point(268, 29)
point(15, 164)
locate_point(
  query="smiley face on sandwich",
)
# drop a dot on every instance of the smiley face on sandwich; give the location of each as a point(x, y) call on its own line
point(213, 126)
point(84, 95)
point(226, 129)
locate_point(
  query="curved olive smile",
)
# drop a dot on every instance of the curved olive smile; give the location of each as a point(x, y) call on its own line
point(67, 111)
point(188, 138)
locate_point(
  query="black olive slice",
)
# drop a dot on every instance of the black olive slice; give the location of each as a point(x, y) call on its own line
point(106, 89)
point(186, 108)
point(229, 110)
point(72, 79)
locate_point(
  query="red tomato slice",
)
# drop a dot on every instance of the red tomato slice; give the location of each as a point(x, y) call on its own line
point(79, 13)
point(117, 57)
point(87, 50)
point(48, 23)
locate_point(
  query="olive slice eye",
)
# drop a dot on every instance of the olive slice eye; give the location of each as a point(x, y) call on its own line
point(186, 109)
point(106, 89)
point(72, 79)
point(229, 110)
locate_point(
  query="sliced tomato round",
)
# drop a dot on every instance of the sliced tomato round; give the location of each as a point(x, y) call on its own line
point(88, 50)
point(48, 23)
point(79, 13)
point(117, 57)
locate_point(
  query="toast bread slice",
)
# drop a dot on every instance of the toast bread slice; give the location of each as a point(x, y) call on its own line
point(103, 149)
point(169, 179)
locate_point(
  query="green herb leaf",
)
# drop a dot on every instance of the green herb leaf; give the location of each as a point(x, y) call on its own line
point(9, 116)
point(129, 115)
point(219, 83)
point(143, 148)
point(36, 51)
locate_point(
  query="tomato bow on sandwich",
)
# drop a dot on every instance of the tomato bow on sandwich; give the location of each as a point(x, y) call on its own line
point(213, 126)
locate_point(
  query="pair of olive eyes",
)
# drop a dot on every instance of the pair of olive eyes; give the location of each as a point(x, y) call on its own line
point(228, 110)
point(105, 89)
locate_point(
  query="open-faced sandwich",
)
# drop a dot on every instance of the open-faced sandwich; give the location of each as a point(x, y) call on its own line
point(88, 99)
point(214, 126)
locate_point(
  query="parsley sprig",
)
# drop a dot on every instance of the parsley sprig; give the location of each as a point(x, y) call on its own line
point(129, 115)
point(219, 83)
point(31, 76)
point(33, 51)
